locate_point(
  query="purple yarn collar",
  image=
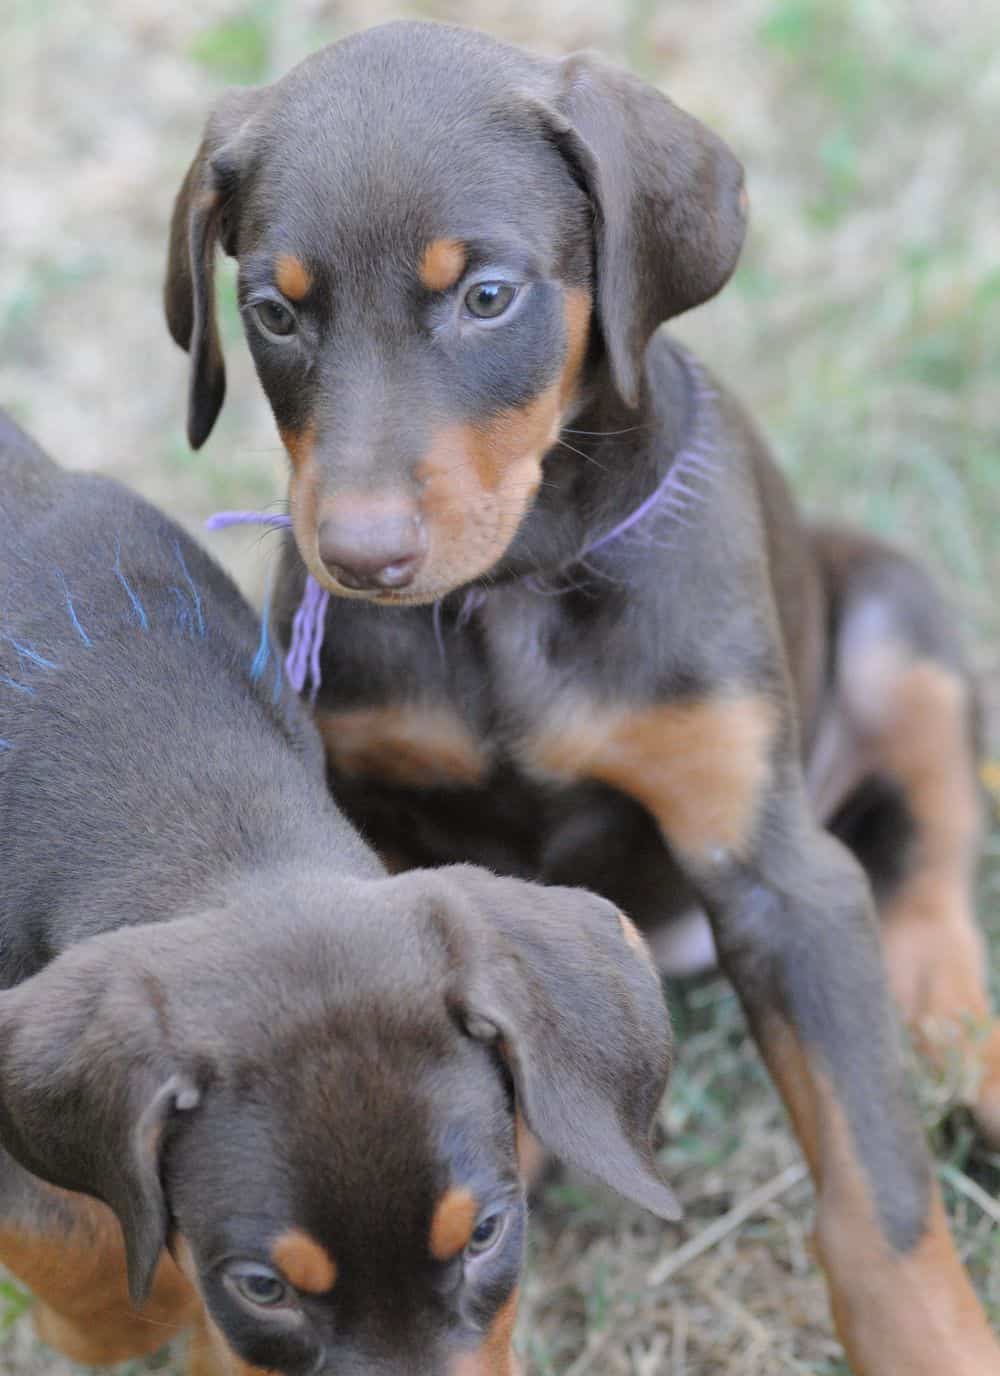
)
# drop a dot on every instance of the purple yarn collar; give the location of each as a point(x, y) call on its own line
point(680, 488)
point(303, 659)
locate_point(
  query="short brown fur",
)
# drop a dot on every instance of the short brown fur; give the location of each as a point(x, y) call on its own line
point(442, 264)
point(634, 937)
point(452, 1224)
point(495, 1357)
point(874, 1289)
point(83, 1308)
point(935, 952)
point(292, 277)
point(415, 746)
point(210, 1355)
point(478, 481)
point(300, 445)
point(699, 768)
point(304, 1262)
point(577, 312)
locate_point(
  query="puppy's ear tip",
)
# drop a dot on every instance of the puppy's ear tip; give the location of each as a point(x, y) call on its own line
point(481, 1029)
point(203, 411)
point(641, 1182)
point(179, 319)
point(141, 1264)
point(667, 1206)
point(198, 432)
point(626, 379)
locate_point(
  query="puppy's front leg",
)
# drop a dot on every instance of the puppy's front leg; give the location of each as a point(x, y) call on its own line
point(795, 929)
point(796, 933)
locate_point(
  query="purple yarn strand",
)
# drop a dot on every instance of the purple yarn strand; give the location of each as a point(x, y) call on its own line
point(222, 520)
point(317, 629)
point(309, 622)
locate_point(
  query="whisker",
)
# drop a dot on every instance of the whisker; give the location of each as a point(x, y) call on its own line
point(563, 444)
point(600, 434)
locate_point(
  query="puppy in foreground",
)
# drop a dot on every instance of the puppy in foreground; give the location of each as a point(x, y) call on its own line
point(251, 1086)
point(577, 628)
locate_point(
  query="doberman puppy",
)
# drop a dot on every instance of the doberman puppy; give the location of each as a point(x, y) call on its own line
point(579, 631)
point(292, 1078)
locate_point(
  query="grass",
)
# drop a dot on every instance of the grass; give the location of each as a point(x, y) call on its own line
point(862, 328)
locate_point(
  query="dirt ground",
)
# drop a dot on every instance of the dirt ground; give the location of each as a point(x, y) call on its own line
point(863, 329)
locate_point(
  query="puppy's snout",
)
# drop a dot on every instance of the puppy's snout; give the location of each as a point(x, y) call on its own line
point(372, 543)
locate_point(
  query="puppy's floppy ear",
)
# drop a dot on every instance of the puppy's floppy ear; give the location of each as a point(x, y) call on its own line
point(204, 213)
point(565, 988)
point(670, 209)
point(88, 1089)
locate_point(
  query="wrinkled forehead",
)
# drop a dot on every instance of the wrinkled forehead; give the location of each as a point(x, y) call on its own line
point(388, 150)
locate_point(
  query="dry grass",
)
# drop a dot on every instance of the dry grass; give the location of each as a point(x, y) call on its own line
point(863, 328)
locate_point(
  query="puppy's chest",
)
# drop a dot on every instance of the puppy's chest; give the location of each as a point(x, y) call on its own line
point(503, 731)
point(479, 704)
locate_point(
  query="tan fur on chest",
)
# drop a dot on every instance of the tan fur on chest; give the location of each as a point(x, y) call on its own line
point(415, 747)
point(699, 767)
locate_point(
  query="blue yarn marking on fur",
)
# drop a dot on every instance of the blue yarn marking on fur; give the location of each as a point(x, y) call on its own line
point(195, 595)
point(263, 654)
point(261, 657)
point(6, 745)
point(137, 607)
point(279, 679)
point(19, 687)
point(183, 609)
point(74, 619)
point(25, 652)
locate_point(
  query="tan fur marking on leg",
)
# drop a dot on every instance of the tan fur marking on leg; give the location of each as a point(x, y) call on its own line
point(79, 1280)
point(877, 1294)
point(789, 1067)
point(292, 278)
point(699, 768)
point(913, 1312)
point(418, 747)
point(442, 264)
point(304, 1262)
point(935, 951)
point(453, 1223)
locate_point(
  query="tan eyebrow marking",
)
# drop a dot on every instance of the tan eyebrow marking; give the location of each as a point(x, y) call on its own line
point(292, 276)
point(304, 1262)
point(442, 264)
point(453, 1222)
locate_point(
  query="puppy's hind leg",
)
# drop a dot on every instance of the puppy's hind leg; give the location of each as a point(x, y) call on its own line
point(905, 715)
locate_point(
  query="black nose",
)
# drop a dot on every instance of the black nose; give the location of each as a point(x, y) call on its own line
point(372, 544)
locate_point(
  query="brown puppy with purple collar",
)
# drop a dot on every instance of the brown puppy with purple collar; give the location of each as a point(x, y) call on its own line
point(582, 632)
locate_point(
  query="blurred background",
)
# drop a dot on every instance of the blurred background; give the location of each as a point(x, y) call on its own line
point(863, 330)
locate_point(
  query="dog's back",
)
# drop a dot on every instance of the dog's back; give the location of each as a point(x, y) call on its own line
point(144, 719)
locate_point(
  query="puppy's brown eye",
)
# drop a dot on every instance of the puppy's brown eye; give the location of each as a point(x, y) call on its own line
point(487, 1233)
point(487, 300)
point(259, 1286)
point(274, 318)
